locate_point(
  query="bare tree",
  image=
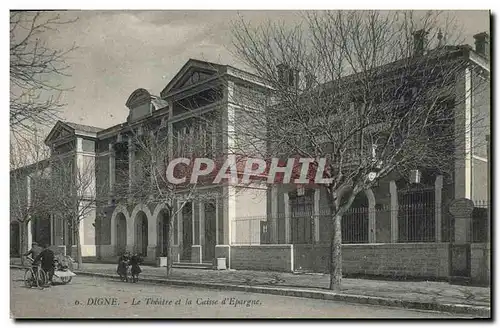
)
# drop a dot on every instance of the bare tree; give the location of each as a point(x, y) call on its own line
point(373, 93)
point(35, 68)
point(28, 178)
point(192, 138)
point(72, 194)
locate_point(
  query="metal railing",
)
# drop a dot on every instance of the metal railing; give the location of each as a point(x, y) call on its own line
point(416, 223)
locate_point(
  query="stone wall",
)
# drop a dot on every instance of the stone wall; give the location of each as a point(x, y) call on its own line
point(480, 263)
point(421, 260)
point(262, 257)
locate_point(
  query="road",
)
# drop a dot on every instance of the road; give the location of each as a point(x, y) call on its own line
point(93, 297)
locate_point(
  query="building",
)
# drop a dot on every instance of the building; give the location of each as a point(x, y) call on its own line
point(258, 226)
point(203, 228)
point(397, 228)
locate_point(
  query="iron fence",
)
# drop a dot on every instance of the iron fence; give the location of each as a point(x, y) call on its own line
point(480, 221)
point(415, 223)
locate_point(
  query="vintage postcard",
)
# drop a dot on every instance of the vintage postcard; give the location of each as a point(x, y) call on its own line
point(250, 164)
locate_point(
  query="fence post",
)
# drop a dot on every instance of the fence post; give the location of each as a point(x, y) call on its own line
point(372, 228)
point(394, 211)
point(273, 226)
point(316, 215)
point(287, 217)
point(488, 181)
point(438, 185)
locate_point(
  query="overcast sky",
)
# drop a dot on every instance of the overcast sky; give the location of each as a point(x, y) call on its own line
point(121, 51)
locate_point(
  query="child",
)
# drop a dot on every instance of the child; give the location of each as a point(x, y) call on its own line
point(135, 260)
point(123, 263)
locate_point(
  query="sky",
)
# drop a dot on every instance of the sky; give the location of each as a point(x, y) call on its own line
point(121, 51)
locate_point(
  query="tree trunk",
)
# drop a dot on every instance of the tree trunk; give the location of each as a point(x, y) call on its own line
point(69, 238)
point(78, 249)
point(336, 254)
point(22, 247)
point(170, 259)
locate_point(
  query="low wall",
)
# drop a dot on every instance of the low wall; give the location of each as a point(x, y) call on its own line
point(262, 257)
point(480, 263)
point(423, 260)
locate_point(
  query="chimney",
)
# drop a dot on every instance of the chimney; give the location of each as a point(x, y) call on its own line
point(419, 42)
point(283, 73)
point(483, 44)
point(310, 80)
point(440, 39)
point(288, 76)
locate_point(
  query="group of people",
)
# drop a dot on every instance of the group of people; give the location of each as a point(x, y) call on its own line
point(43, 255)
point(128, 260)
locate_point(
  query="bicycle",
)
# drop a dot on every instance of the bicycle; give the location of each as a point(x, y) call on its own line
point(32, 278)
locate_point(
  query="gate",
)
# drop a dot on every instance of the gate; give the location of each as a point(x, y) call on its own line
point(301, 218)
point(416, 214)
point(355, 221)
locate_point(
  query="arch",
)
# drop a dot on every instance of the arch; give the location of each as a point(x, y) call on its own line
point(141, 234)
point(368, 193)
point(342, 191)
point(121, 233)
point(138, 97)
point(151, 223)
point(162, 221)
point(120, 209)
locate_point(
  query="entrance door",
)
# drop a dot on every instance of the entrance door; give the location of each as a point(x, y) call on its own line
point(210, 226)
point(187, 231)
point(163, 236)
point(141, 241)
point(121, 234)
point(416, 214)
point(355, 221)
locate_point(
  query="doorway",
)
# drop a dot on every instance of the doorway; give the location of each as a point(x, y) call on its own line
point(210, 232)
point(187, 231)
point(121, 234)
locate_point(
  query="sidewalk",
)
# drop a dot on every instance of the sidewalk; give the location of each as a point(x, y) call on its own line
point(404, 292)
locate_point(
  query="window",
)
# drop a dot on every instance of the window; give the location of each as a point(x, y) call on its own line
point(88, 145)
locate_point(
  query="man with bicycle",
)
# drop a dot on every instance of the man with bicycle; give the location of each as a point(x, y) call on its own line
point(34, 251)
point(46, 258)
point(32, 254)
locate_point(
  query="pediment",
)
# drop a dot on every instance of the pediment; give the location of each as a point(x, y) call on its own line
point(193, 72)
point(59, 131)
point(194, 77)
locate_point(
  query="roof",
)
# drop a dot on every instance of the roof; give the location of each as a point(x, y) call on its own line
point(82, 127)
point(158, 102)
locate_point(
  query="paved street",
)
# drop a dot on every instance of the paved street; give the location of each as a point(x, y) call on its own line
point(419, 291)
point(83, 297)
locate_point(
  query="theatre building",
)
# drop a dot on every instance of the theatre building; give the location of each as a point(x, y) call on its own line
point(397, 228)
point(198, 104)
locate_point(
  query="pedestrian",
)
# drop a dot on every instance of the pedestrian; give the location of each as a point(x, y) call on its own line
point(46, 259)
point(135, 261)
point(123, 263)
